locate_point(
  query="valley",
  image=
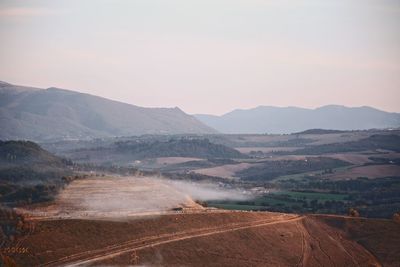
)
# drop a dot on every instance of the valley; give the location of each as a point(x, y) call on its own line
point(361, 168)
point(200, 133)
point(318, 198)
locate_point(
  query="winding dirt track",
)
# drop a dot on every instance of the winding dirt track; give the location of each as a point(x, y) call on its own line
point(319, 244)
point(305, 253)
point(138, 244)
point(310, 258)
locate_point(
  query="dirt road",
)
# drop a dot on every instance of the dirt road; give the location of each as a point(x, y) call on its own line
point(89, 257)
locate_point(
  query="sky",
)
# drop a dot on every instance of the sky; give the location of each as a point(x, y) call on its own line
point(207, 56)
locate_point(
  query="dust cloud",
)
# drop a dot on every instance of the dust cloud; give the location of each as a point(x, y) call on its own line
point(104, 197)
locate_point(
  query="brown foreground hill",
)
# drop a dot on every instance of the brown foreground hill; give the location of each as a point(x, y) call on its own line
point(212, 238)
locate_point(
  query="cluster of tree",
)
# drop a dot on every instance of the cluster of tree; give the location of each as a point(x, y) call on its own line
point(13, 225)
point(377, 141)
point(375, 198)
point(192, 176)
point(378, 198)
point(196, 164)
point(26, 152)
point(320, 131)
point(200, 148)
point(269, 170)
point(380, 160)
point(125, 152)
point(360, 184)
point(315, 206)
point(30, 174)
point(248, 140)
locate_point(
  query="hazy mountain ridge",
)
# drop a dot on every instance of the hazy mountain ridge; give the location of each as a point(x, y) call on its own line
point(267, 119)
point(41, 114)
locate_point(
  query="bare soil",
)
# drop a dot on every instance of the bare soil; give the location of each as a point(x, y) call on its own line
point(214, 238)
point(225, 171)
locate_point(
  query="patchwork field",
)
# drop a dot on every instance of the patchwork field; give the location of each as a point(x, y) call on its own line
point(369, 171)
point(266, 149)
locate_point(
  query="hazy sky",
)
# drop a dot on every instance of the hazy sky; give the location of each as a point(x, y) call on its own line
point(208, 56)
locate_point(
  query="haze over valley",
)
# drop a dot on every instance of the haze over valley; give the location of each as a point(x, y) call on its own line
point(175, 181)
point(200, 133)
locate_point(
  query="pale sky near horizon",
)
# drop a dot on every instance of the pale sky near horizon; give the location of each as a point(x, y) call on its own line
point(208, 56)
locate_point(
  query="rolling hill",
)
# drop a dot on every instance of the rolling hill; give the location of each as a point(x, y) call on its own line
point(124, 152)
point(279, 120)
point(29, 173)
point(51, 114)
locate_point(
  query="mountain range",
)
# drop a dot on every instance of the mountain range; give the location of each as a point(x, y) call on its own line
point(282, 120)
point(58, 114)
point(53, 113)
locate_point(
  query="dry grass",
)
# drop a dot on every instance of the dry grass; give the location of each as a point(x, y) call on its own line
point(216, 239)
point(381, 237)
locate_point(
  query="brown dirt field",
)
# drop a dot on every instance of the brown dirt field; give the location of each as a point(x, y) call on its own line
point(305, 242)
point(379, 236)
point(175, 160)
point(215, 239)
point(267, 149)
point(111, 197)
point(371, 171)
point(360, 158)
point(335, 250)
point(55, 239)
point(288, 157)
point(259, 246)
point(225, 171)
point(353, 158)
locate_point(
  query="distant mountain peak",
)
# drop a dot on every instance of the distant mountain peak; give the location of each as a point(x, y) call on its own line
point(54, 114)
point(268, 119)
point(4, 83)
